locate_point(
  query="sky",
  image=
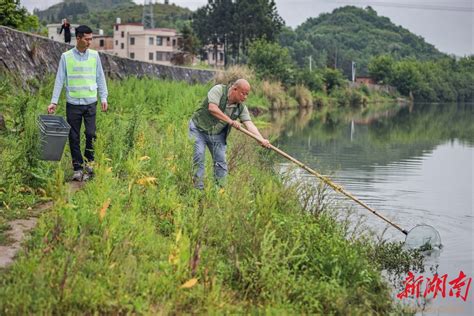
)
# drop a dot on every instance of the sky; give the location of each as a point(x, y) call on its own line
point(447, 24)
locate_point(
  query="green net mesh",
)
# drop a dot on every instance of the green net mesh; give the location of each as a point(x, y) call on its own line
point(423, 237)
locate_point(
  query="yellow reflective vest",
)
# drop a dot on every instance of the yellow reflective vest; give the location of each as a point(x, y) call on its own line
point(81, 75)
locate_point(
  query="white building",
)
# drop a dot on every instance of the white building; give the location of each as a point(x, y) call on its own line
point(214, 56)
point(156, 46)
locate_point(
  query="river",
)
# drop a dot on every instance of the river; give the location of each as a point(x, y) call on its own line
point(412, 164)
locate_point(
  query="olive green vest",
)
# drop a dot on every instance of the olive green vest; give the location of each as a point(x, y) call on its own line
point(206, 122)
point(81, 75)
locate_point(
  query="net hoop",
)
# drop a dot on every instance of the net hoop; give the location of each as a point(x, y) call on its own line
point(423, 237)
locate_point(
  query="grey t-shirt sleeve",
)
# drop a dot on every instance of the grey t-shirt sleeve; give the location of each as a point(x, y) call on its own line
point(244, 115)
point(215, 94)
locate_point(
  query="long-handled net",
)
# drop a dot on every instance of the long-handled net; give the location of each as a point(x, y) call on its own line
point(423, 237)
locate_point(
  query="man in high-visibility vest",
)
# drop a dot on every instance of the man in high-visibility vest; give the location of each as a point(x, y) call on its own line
point(80, 70)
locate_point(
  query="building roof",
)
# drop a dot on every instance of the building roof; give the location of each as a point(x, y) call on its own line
point(129, 23)
point(168, 32)
point(162, 29)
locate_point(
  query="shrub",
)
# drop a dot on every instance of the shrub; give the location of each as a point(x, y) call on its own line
point(302, 95)
point(233, 73)
point(274, 92)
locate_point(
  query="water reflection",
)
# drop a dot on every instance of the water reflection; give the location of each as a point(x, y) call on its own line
point(413, 164)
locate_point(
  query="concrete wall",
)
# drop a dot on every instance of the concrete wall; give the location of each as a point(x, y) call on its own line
point(31, 56)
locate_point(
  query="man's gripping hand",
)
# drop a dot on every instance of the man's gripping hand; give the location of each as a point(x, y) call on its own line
point(52, 108)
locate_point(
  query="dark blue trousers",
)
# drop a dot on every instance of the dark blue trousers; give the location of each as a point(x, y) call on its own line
point(75, 114)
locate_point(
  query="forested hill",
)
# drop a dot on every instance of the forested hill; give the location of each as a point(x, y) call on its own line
point(102, 14)
point(354, 34)
point(72, 8)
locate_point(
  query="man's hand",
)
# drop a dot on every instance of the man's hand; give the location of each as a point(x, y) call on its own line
point(265, 143)
point(52, 108)
point(105, 106)
point(235, 124)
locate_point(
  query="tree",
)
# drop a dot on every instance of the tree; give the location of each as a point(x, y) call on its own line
point(312, 79)
point(188, 47)
point(333, 78)
point(236, 23)
point(190, 43)
point(270, 61)
point(381, 68)
point(12, 14)
point(71, 10)
point(406, 77)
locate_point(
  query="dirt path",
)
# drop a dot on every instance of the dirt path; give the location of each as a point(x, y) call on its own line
point(19, 228)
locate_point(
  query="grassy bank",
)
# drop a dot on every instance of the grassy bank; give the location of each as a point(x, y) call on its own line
point(140, 239)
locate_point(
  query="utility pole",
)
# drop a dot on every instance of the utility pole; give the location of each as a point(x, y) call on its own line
point(353, 70)
point(147, 17)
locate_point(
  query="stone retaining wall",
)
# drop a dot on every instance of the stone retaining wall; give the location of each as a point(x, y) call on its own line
point(31, 56)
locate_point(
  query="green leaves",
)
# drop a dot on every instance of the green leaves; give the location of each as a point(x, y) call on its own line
point(14, 15)
point(270, 61)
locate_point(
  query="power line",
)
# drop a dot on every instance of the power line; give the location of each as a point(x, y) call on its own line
point(412, 6)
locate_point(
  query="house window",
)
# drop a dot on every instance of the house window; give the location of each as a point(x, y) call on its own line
point(150, 56)
point(221, 56)
point(122, 46)
point(168, 41)
point(168, 56)
point(132, 55)
point(159, 41)
point(116, 42)
point(150, 41)
point(159, 56)
point(123, 34)
point(174, 42)
point(116, 27)
point(132, 40)
point(101, 43)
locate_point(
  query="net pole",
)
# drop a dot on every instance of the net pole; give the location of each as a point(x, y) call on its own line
point(326, 180)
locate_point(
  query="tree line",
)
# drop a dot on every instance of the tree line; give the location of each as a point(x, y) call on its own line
point(445, 79)
point(253, 33)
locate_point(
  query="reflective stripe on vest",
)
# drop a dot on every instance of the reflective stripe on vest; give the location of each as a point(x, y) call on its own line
point(81, 75)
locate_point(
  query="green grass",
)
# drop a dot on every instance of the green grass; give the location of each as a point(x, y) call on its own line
point(129, 240)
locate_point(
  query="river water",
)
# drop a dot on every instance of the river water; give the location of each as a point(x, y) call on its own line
point(412, 164)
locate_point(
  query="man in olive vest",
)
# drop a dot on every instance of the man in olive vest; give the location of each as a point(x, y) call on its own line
point(211, 124)
point(80, 70)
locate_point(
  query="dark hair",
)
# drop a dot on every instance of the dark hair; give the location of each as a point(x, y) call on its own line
point(83, 29)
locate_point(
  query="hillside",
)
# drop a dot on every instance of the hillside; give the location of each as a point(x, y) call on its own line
point(102, 14)
point(354, 34)
point(73, 8)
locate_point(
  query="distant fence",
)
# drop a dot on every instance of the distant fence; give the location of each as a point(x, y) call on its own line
point(31, 56)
